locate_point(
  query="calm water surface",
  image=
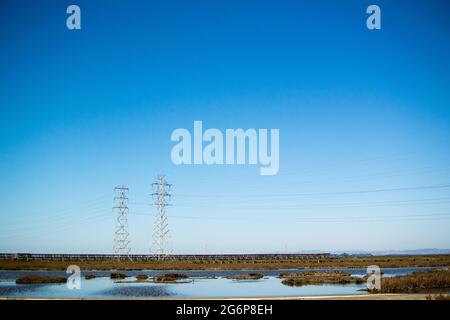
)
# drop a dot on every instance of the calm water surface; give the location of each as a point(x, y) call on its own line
point(203, 284)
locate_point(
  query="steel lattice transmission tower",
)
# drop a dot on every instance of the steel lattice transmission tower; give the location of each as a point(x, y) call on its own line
point(161, 246)
point(121, 248)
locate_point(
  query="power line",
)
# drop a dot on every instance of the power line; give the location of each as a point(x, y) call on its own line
point(259, 205)
point(312, 218)
point(327, 219)
point(61, 228)
point(71, 211)
point(318, 193)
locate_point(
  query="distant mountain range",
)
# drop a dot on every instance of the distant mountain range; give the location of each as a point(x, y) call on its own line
point(425, 251)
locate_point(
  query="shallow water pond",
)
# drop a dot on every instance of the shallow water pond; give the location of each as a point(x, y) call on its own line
point(202, 284)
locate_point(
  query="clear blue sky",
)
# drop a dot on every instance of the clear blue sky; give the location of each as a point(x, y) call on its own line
point(358, 110)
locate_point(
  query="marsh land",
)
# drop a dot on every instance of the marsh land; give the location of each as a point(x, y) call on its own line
point(351, 262)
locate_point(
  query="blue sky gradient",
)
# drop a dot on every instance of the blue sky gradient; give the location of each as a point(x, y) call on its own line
point(358, 110)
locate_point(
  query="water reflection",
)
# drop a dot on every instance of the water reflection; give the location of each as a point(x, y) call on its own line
point(137, 291)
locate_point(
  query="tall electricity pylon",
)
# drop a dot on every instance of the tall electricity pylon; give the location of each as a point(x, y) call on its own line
point(121, 248)
point(161, 237)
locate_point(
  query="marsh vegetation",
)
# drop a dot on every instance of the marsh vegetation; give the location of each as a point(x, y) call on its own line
point(170, 277)
point(416, 282)
point(38, 279)
point(250, 276)
point(350, 262)
point(319, 277)
point(117, 275)
point(141, 277)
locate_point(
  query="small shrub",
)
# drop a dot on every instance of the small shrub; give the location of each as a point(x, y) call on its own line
point(117, 275)
point(142, 277)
